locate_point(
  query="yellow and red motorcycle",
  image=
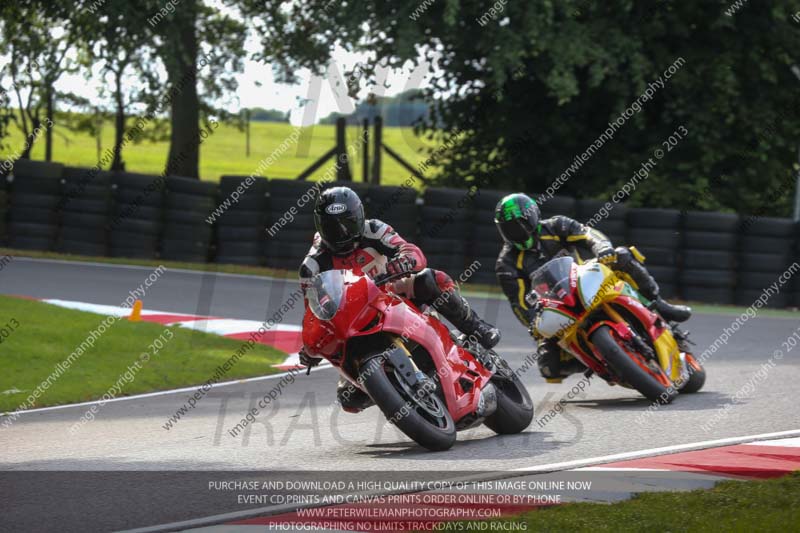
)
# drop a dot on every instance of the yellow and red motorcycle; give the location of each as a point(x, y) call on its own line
point(597, 316)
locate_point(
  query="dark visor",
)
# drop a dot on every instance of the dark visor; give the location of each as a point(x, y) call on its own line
point(513, 231)
point(339, 230)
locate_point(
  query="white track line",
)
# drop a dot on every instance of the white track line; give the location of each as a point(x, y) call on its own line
point(658, 451)
point(553, 467)
point(157, 393)
point(150, 268)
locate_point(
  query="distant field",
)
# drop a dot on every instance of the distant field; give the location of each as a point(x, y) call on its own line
point(224, 151)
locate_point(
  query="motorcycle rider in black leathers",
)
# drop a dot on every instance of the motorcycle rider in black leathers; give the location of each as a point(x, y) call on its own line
point(530, 242)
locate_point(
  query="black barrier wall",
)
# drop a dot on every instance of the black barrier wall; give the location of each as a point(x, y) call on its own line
point(700, 256)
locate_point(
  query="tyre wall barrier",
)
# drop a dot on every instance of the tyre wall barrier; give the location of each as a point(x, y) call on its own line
point(243, 214)
point(657, 234)
point(3, 213)
point(485, 243)
point(708, 257)
point(186, 233)
point(765, 252)
point(85, 209)
point(701, 256)
point(136, 218)
point(33, 217)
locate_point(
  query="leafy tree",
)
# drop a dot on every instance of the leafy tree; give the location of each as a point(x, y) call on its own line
point(259, 114)
point(117, 42)
point(36, 39)
point(532, 84)
point(201, 49)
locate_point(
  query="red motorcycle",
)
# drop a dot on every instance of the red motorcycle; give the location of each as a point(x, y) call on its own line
point(428, 381)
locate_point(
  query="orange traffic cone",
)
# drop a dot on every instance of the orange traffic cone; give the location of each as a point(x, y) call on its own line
point(136, 313)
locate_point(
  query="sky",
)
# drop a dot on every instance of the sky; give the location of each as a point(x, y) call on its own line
point(321, 96)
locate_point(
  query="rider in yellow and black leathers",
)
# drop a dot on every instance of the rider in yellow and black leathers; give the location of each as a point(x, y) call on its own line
point(531, 242)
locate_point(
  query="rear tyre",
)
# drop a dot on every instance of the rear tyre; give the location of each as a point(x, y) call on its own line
point(425, 420)
point(514, 406)
point(697, 376)
point(633, 369)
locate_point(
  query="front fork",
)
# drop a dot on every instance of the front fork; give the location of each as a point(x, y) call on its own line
point(666, 347)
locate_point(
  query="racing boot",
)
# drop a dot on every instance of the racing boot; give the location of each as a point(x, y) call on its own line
point(457, 310)
point(549, 361)
point(670, 312)
point(649, 288)
point(554, 363)
point(351, 398)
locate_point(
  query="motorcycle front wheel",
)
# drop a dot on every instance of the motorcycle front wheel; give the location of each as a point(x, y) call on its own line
point(421, 415)
point(632, 368)
point(514, 406)
point(697, 376)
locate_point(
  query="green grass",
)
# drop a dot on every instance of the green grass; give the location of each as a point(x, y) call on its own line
point(731, 506)
point(46, 335)
point(223, 152)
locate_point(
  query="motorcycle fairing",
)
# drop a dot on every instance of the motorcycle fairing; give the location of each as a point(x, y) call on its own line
point(462, 398)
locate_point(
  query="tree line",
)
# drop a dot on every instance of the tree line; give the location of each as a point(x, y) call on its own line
point(530, 87)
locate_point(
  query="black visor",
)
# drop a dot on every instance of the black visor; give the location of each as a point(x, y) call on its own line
point(340, 233)
point(514, 231)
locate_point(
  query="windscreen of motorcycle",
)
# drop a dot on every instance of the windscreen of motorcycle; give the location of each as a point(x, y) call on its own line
point(590, 279)
point(552, 280)
point(551, 322)
point(325, 293)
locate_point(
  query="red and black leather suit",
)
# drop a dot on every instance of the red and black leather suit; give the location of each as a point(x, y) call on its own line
point(378, 247)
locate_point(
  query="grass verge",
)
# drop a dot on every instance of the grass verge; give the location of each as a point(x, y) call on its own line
point(37, 336)
point(769, 505)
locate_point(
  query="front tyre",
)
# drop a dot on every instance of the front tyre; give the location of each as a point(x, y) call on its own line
point(514, 406)
point(633, 368)
point(697, 375)
point(422, 417)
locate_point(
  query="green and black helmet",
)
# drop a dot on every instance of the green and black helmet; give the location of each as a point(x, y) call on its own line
point(517, 220)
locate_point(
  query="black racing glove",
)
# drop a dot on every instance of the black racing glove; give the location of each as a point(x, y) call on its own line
point(607, 256)
point(533, 301)
point(308, 360)
point(534, 308)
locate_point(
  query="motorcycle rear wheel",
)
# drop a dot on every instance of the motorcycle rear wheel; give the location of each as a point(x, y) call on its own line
point(425, 420)
point(630, 367)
